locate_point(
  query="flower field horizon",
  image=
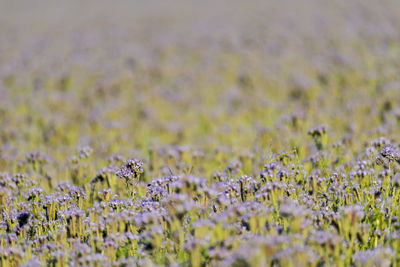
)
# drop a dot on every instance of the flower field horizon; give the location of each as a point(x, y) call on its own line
point(213, 133)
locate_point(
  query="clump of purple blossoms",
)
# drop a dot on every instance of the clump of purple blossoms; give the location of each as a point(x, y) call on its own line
point(391, 153)
point(130, 170)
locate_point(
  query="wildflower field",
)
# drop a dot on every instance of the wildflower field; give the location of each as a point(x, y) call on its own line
point(200, 133)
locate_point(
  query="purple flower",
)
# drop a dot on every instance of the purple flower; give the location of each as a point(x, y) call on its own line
point(390, 152)
point(130, 170)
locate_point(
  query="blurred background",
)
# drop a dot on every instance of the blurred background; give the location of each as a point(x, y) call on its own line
point(237, 76)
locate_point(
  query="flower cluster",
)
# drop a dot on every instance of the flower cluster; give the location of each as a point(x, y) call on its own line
point(234, 135)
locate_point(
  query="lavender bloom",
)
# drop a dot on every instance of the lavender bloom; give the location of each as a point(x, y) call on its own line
point(130, 170)
point(84, 152)
point(33, 262)
point(233, 166)
point(36, 157)
point(34, 193)
point(380, 256)
point(20, 179)
point(391, 153)
point(380, 142)
point(76, 192)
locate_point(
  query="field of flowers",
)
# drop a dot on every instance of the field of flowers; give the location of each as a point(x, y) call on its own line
point(208, 133)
